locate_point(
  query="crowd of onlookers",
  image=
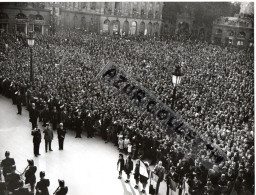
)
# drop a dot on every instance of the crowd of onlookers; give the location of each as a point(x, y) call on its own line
point(215, 98)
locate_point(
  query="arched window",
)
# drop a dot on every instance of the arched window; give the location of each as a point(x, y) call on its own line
point(39, 17)
point(230, 33)
point(3, 16)
point(21, 16)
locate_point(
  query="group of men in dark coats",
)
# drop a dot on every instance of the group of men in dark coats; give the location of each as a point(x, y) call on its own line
point(14, 183)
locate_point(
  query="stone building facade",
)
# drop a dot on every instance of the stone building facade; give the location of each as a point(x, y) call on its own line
point(237, 31)
point(135, 18)
point(22, 17)
point(113, 17)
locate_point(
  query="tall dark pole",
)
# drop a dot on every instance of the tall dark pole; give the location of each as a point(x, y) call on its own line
point(31, 68)
point(173, 97)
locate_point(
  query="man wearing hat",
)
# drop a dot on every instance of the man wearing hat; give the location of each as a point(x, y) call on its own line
point(36, 140)
point(48, 137)
point(62, 189)
point(30, 174)
point(42, 185)
point(7, 164)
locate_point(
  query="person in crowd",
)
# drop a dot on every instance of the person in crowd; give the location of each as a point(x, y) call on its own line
point(78, 125)
point(48, 137)
point(19, 102)
point(7, 164)
point(62, 189)
point(159, 170)
point(33, 115)
point(37, 137)
point(128, 167)
point(61, 135)
point(120, 165)
point(42, 185)
point(144, 176)
point(54, 118)
point(172, 180)
point(23, 190)
point(137, 174)
point(30, 174)
point(46, 115)
point(13, 179)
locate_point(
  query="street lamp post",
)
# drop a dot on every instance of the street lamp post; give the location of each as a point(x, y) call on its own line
point(176, 78)
point(31, 42)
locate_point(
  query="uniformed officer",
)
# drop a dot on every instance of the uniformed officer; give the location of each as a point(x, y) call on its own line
point(36, 140)
point(42, 185)
point(61, 135)
point(30, 174)
point(62, 189)
point(7, 164)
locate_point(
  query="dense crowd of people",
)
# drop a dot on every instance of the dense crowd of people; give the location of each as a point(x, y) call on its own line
point(215, 98)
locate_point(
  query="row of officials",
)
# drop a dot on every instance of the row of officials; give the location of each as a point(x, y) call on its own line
point(15, 183)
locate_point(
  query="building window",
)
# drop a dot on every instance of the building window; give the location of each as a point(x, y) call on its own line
point(230, 33)
point(21, 16)
point(240, 43)
point(218, 31)
point(93, 5)
point(241, 34)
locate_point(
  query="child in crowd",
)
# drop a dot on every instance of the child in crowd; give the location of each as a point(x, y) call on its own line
point(120, 165)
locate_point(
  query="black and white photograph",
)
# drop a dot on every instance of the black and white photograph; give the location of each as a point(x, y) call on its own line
point(127, 98)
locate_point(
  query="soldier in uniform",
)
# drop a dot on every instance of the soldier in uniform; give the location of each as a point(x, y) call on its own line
point(7, 164)
point(36, 140)
point(62, 189)
point(42, 185)
point(48, 137)
point(30, 174)
point(33, 115)
point(61, 135)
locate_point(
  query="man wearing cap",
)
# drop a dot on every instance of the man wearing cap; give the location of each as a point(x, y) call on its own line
point(30, 174)
point(62, 189)
point(36, 140)
point(48, 137)
point(42, 185)
point(7, 164)
point(61, 135)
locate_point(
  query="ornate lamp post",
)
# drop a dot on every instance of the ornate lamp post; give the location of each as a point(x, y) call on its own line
point(176, 78)
point(31, 42)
